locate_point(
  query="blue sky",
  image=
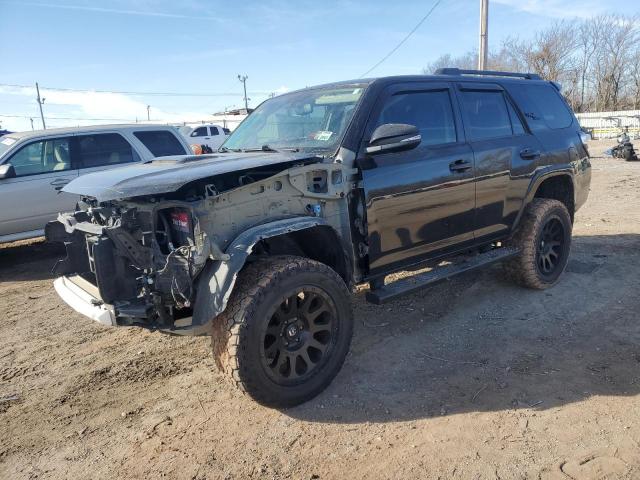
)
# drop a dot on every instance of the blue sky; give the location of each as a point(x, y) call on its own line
point(198, 46)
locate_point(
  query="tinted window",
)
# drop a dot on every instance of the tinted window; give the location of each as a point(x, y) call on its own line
point(42, 157)
point(542, 106)
point(200, 132)
point(516, 123)
point(214, 130)
point(226, 131)
point(103, 149)
point(161, 143)
point(430, 111)
point(486, 114)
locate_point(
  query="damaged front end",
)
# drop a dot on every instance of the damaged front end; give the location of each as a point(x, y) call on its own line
point(134, 264)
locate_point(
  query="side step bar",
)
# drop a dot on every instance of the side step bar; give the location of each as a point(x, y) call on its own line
point(412, 284)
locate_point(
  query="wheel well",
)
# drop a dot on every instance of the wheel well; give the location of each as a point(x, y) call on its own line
point(559, 188)
point(320, 243)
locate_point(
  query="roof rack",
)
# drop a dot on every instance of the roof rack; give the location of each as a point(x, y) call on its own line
point(491, 73)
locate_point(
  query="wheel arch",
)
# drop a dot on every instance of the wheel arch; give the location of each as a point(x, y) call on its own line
point(556, 185)
point(311, 237)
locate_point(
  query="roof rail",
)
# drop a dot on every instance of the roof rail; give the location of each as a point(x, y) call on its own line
point(491, 73)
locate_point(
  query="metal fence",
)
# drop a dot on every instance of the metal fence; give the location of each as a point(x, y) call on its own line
point(610, 124)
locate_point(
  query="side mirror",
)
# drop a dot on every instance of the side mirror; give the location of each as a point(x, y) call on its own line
point(394, 137)
point(7, 171)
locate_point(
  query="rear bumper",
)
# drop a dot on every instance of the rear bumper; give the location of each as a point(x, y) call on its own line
point(77, 293)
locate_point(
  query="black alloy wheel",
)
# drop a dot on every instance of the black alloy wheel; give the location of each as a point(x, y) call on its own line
point(551, 247)
point(297, 340)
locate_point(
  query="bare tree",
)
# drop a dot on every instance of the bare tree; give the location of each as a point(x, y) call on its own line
point(597, 61)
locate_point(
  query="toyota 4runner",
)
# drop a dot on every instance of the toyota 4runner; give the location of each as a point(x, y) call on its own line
point(259, 244)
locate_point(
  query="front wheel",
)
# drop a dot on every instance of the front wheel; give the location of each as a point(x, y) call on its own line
point(544, 240)
point(286, 330)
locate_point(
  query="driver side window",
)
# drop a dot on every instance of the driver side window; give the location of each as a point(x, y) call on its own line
point(45, 156)
point(430, 111)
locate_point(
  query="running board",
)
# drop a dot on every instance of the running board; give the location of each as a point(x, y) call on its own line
point(412, 284)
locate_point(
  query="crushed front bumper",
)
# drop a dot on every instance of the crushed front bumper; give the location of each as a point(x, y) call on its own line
point(83, 297)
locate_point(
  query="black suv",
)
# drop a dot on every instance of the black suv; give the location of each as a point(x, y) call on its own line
point(319, 190)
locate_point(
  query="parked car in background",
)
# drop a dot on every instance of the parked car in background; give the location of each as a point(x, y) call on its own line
point(34, 166)
point(211, 136)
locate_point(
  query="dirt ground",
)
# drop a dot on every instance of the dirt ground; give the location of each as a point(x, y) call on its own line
point(474, 378)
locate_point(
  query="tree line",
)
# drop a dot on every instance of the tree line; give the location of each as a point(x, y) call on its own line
point(597, 60)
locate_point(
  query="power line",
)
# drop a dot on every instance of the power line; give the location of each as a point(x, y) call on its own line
point(6, 115)
point(125, 92)
point(403, 40)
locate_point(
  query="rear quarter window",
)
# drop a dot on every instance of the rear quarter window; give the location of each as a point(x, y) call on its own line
point(161, 143)
point(542, 106)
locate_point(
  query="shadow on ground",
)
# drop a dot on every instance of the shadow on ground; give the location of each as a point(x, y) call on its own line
point(479, 344)
point(475, 343)
point(33, 260)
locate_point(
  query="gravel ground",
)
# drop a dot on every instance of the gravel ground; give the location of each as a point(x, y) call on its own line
point(473, 378)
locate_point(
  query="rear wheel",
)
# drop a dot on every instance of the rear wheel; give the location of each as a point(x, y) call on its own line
point(544, 240)
point(286, 330)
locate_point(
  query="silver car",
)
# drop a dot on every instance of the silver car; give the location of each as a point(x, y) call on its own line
point(34, 166)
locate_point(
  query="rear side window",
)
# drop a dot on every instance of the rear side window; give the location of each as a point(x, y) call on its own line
point(103, 149)
point(430, 111)
point(161, 143)
point(214, 130)
point(226, 131)
point(486, 114)
point(542, 106)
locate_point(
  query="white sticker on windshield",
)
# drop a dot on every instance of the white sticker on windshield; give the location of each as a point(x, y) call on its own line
point(8, 141)
point(322, 135)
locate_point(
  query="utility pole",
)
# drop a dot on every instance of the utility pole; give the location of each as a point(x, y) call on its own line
point(31, 123)
point(483, 50)
point(148, 114)
point(243, 79)
point(40, 102)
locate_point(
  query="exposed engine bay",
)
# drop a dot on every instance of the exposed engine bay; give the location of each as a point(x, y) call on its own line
point(146, 257)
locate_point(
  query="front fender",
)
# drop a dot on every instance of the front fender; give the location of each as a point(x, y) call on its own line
point(215, 283)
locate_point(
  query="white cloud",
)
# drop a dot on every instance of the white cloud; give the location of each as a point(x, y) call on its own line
point(561, 9)
point(117, 11)
point(94, 107)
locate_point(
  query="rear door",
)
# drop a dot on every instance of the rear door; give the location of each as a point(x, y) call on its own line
point(420, 202)
point(215, 137)
point(33, 197)
point(505, 153)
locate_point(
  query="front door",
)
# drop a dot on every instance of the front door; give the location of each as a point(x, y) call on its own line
point(32, 198)
point(419, 203)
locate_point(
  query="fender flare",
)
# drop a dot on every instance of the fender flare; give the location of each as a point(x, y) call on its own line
point(536, 181)
point(215, 283)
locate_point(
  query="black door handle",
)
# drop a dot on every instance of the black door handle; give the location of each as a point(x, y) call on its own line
point(459, 166)
point(529, 153)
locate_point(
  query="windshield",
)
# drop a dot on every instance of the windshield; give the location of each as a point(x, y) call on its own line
point(5, 143)
point(310, 119)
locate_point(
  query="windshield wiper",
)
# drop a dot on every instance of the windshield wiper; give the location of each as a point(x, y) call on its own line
point(263, 148)
point(226, 149)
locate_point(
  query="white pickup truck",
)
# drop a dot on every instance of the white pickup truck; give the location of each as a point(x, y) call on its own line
point(210, 135)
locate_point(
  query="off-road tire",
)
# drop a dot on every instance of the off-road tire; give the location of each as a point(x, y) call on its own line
point(236, 333)
point(524, 268)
